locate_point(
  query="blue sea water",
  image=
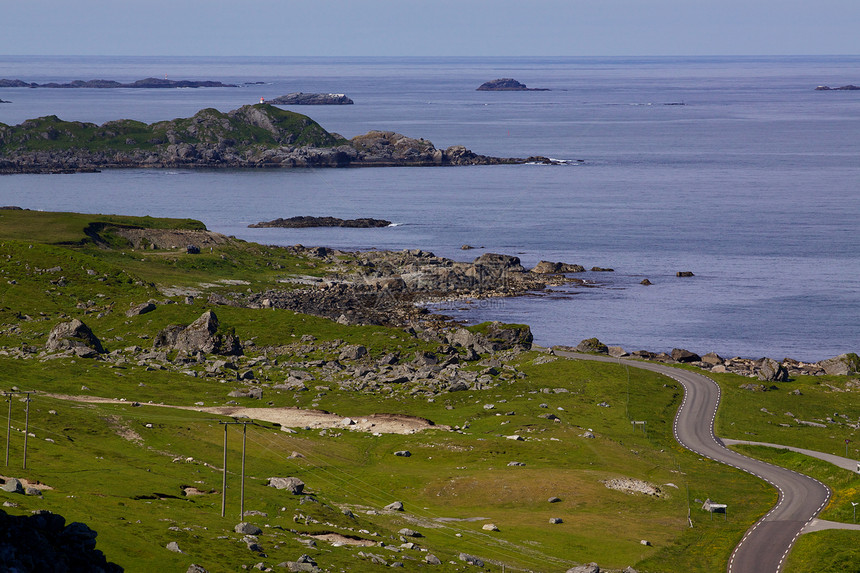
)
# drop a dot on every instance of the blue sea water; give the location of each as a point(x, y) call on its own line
point(753, 184)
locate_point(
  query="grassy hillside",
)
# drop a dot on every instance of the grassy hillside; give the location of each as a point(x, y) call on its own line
point(123, 464)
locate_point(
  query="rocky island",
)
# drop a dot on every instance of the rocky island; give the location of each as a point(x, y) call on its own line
point(847, 88)
point(304, 222)
point(299, 98)
point(107, 84)
point(253, 136)
point(507, 85)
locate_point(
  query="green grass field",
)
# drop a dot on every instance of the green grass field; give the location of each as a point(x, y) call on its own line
point(122, 468)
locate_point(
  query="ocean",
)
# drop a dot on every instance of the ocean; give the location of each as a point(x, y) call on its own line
point(733, 168)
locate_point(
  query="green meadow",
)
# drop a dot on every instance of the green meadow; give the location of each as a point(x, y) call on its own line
point(124, 465)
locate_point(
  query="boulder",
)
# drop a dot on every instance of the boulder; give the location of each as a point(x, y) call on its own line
point(73, 335)
point(772, 371)
point(592, 345)
point(394, 506)
point(352, 352)
point(202, 335)
point(506, 262)
point(546, 267)
point(681, 355)
point(293, 484)
point(471, 559)
point(13, 485)
point(141, 308)
point(841, 365)
point(590, 568)
point(712, 358)
point(246, 528)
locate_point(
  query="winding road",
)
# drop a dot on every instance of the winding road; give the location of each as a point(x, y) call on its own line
point(766, 544)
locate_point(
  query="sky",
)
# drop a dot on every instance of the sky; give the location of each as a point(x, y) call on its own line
point(429, 27)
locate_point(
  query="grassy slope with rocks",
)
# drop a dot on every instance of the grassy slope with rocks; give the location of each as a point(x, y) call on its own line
point(124, 467)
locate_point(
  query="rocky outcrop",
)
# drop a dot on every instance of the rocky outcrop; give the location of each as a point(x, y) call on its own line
point(841, 365)
point(507, 85)
point(772, 371)
point(148, 83)
point(547, 267)
point(43, 542)
point(302, 222)
point(202, 335)
point(849, 87)
point(253, 136)
point(74, 336)
point(299, 98)
point(592, 345)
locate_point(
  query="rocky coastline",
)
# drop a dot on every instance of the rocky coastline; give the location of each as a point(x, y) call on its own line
point(253, 136)
point(507, 85)
point(300, 98)
point(305, 222)
point(148, 83)
point(847, 88)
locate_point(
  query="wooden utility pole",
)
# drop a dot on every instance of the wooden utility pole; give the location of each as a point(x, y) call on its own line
point(224, 477)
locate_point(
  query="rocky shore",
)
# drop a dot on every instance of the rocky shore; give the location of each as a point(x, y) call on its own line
point(304, 222)
point(300, 98)
point(507, 85)
point(110, 84)
point(762, 369)
point(253, 136)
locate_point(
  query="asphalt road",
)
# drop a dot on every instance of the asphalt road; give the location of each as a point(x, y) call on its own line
point(766, 544)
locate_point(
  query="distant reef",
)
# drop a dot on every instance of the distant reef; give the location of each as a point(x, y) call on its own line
point(106, 84)
point(847, 88)
point(299, 98)
point(304, 222)
point(253, 136)
point(507, 85)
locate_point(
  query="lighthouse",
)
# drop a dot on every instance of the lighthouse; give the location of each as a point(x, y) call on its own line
point(262, 100)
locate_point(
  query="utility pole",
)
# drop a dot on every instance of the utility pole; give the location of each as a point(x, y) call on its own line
point(9, 394)
point(224, 476)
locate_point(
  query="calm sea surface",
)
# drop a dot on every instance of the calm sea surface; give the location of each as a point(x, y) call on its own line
point(753, 184)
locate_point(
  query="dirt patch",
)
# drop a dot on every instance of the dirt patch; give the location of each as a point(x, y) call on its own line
point(123, 430)
point(286, 417)
point(27, 483)
point(318, 419)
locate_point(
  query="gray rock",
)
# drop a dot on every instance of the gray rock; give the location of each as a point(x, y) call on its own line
point(772, 371)
point(394, 506)
point(293, 484)
point(247, 528)
point(590, 568)
point(13, 485)
point(555, 520)
point(403, 453)
point(72, 335)
point(681, 355)
point(471, 559)
point(841, 365)
point(173, 546)
point(194, 568)
point(554, 499)
point(409, 533)
point(712, 358)
point(141, 308)
point(431, 559)
point(592, 345)
point(353, 352)
point(202, 335)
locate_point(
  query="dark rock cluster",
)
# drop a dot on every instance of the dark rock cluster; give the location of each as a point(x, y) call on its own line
point(43, 542)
